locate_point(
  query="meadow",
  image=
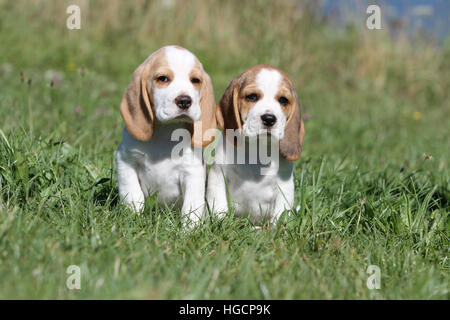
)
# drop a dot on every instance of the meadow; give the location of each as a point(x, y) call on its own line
point(372, 184)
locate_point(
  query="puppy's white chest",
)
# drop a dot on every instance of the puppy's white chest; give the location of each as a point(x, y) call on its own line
point(157, 169)
point(251, 192)
point(254, 190)
point(162, 176)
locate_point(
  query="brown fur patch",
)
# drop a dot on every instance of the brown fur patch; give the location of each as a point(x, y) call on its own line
point(136, 105)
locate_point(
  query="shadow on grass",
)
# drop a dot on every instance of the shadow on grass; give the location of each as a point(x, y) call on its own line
point(106, 193)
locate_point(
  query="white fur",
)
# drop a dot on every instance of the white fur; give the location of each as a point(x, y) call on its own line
point(181, 63)
point(146, 167)
point(268, 81)
point(252, 194)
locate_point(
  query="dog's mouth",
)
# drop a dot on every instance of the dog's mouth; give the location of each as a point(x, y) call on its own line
point(183, 118)
point(270, 133)
point(265, 131)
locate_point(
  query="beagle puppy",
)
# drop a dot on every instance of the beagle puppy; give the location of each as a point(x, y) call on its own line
point(170, 90)
point(260, 105)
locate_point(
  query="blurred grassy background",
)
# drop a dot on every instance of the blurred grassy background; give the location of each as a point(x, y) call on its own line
point(339, 73)
point(377, 111)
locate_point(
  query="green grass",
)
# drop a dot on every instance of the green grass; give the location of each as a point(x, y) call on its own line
point(372, 183)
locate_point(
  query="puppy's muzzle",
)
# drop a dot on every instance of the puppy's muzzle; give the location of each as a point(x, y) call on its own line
point(183, 102)
point(268, 119)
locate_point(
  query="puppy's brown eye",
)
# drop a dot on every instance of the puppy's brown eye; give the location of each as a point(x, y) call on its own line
point(283, 101)
point(162, 79)
point(195, 80)
point(253, 97)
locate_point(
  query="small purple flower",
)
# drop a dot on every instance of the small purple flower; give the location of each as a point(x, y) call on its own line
point(78, 110)
point(54, 77)
point(306, 116)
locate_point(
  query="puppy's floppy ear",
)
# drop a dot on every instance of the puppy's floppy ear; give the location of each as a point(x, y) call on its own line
point(135, 106)
point(227, 114)
point(294, 133)
point(200, 137)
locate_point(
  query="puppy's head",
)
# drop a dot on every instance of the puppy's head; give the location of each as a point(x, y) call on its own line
point(261, 100)
point(170, 85)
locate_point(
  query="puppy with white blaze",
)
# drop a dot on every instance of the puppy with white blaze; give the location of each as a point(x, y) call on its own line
point(259, 105)
point(170, 90)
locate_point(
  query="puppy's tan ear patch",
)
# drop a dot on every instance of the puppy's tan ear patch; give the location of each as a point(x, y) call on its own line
point(135, 106)
point(227, 114)
point(203, 135)
point(294, 133)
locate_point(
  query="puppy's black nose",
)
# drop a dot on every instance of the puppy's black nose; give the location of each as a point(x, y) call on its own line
point(268, 119)
point(183, 102)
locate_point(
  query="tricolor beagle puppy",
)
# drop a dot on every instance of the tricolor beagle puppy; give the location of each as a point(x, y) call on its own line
point(168, 91)
point(259, 104)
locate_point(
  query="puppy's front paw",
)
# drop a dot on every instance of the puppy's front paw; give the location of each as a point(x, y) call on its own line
point(191, 219)
point(221, 215)
point(219, 211)
point(135, 206)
